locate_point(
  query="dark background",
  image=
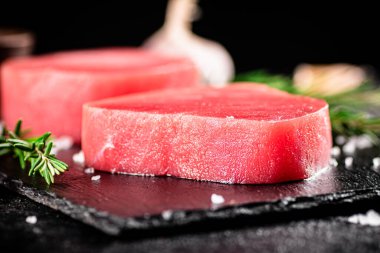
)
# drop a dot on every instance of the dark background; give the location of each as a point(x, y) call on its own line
point(259, 35)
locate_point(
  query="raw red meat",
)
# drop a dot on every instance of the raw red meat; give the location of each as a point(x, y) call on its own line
point(245, 133)
point(48, 92)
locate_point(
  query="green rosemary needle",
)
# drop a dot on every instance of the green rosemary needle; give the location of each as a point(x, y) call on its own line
point(349, 111)
point(34, 153)
point(277, 81)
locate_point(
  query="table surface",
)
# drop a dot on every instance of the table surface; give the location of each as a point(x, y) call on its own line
point(314, 232)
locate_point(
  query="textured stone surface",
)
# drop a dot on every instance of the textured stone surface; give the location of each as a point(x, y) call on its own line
point(120, 204)
point(55, 232)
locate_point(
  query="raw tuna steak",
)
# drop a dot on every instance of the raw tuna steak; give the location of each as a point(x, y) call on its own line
point(245, 133)
point(48, 92)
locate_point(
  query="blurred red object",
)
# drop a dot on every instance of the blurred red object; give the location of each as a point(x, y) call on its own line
point(15, 42)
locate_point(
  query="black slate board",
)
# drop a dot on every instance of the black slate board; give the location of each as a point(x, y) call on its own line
point(56, 233)
point(120, 203)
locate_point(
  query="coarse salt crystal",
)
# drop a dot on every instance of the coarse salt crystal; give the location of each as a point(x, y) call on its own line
point(363, 141)
point(349, 148)
point(62, 143)
point(89, 170)
point(340, 140)
point(348, 161)
point(376, 162)
point(371, 218)
point(335, 151)
point(333, 162)
point(78, 158)
point(217, 199)
point(31, 219)
point(357, 142)
point(167, 214)
point(95, 178)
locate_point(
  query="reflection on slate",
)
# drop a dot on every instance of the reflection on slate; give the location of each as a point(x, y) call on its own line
point(118, 203)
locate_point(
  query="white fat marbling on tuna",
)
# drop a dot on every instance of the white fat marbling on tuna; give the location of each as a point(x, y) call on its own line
point(107, 145)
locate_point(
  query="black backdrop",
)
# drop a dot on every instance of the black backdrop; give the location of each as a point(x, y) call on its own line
point(257, 34)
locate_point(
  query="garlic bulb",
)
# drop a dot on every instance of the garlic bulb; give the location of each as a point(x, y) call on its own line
point(328, 79)
point(176, 38)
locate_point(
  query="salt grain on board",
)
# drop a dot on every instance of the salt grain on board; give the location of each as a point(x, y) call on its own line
point(95, 178)
point(363, 141)
point(371, 218)
point(348, 161)
point(89, 170)
point(340, 140)
point(376, 162)
point(167, 214)
point(62, 143)
point(349, 148)
point(333, 162)
point(78, 158)
point(31, 219)
point(217, 199)
point(357, 142)
point(335, 151)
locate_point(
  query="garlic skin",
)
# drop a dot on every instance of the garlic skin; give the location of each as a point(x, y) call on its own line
point(176, 38)
point(328, 79)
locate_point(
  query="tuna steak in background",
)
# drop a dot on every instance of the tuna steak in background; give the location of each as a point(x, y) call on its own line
point(244, 133)
point(47, 92)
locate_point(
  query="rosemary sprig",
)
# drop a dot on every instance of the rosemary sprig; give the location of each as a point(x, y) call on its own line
point(349, 121)
point(277, 81)
point(349, 111)
point(34, 153)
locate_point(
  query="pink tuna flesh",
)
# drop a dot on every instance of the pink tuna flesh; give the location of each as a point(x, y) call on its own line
point(245, 133)
point(48, 92)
